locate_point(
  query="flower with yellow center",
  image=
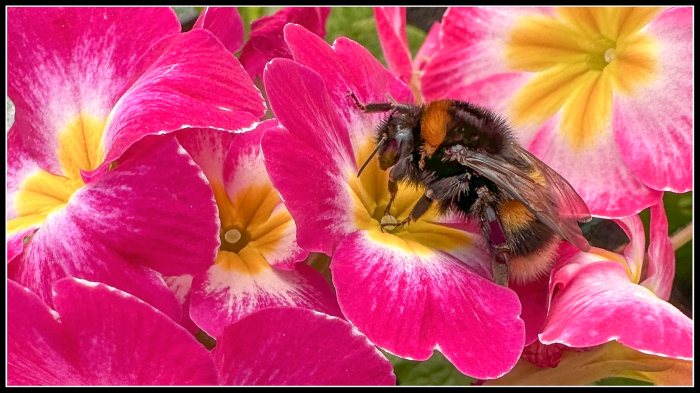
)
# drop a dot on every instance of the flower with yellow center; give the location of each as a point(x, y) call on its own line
point(602, 95)
point(255, 266)
point(411, 290)
point(92, 191)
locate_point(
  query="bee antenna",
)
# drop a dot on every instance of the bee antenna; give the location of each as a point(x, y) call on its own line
point(391, 99)
point(376, 149)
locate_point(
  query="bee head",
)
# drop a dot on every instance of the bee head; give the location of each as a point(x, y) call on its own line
point(394, 142)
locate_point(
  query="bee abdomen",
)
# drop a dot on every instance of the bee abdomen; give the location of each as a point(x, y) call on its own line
point(532, 244)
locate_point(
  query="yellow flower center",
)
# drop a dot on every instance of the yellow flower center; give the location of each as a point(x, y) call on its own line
point(580, 57)
point(371, 196)
point(79, 147)
point(252, 225)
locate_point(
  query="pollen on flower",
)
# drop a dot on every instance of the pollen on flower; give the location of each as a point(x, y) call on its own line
point(610, 55)
point(389, 219)
point(232, 236)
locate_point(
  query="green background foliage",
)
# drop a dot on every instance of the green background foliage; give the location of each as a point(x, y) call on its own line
point(357, 23)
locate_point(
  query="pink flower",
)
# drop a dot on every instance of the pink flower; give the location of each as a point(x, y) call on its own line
point(99, 335)
point(423, 287)
point(266, 40)
point(601, 296)
point(255, 266)
point(92, 193)
point(602, 95)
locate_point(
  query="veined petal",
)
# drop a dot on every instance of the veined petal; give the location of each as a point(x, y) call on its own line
point(181, 76)
point(68, 62)
point(314, 138)
point(225, 23)
point(600, 304)
point(101, 234)
point(653, 123)
point(391, 27)
point(234, 288)
point(294, 346)
point(430, 46)
point(98, 336)
point(662, 258)
point(624, 193)
point(347, 67)
point(472, 47)
point(20, 166)
point(410, 300)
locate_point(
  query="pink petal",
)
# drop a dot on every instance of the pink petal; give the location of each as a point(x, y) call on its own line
point(180, 286)
point(103, 337)
point(313, 138)
point(662, 258)
point(472, 42)
point(654, 125)
point(20, 165)
point(600, 304)
point(347, 67)
point(267, 42)
point(533, 298)
point(391, 27)
point(293, 346)
point(182, 75)
point(634, 251)
point(430, 46)
point(225, 23)
point(606, 183)
point(222, 297)
point(411, 304)
point(154, 209)
point(63, 62)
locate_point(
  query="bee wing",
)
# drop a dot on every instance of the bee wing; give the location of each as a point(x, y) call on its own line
point(558, 206)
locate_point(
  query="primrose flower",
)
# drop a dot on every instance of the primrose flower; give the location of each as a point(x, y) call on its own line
point(266, 40)
point(99, 335)
point(601, 296)
point(602, 95)
point(422, 287)
point(92, 193)
point(255, 264)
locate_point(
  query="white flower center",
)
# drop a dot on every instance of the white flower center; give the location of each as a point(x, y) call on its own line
point(233, 236)
point(610, 55)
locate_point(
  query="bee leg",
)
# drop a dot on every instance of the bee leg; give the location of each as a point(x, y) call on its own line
point(497, 237)
point(393, 190)
point(418, 210)
point(379, 106)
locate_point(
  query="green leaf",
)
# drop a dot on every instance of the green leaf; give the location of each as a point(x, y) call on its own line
point(619, 381)
point(356, 23)
point(435, 371)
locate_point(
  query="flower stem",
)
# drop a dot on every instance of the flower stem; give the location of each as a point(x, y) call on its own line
point(682, 237)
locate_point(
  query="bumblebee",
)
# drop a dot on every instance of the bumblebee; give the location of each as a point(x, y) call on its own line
point(468, 161)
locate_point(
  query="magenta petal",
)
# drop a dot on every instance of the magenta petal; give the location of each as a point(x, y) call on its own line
point(533, 298)
point(267, 42)
point(186, 81)
point(63, 62)
point(225, 23)
point(39, 350)
point(107, 336)
point(346, 66)
point(410, 305)
point(294, 346)
point(222, 297)
point(662, 258)
point(154, 209)
point(600, 304)
point(391, 27)
point(654, 125)
point(20, 165)
point(314, 138)
point(430, 46)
